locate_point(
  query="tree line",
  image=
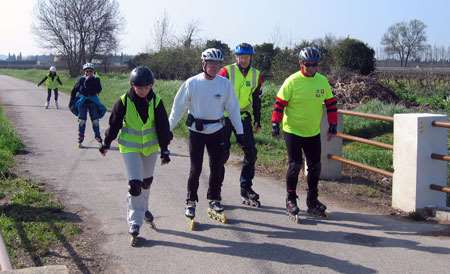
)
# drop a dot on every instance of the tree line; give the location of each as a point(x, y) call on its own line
point(81, 31)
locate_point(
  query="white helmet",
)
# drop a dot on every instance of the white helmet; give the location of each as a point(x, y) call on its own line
point(88, 66)
point(212, 54)
point(52, 69)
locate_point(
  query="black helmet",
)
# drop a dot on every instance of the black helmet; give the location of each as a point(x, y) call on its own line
point(141, 76)
point(309, 54)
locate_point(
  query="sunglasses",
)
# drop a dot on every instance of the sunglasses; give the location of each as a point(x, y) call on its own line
point(309, 65)
point(89, 71)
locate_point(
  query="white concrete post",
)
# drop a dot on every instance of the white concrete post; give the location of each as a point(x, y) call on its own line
point(331, 170)
point(414, 170)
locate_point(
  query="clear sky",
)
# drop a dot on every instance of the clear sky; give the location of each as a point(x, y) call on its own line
point(285, 21)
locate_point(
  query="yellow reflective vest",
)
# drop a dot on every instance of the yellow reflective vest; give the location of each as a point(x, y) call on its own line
point(52, 84)
point(243, 86)
point(135, 136)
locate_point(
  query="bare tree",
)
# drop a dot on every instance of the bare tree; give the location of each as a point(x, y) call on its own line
point(405, 39)
point(162, 29)
point(79, 30)
point(190, 34)
point(276, 37)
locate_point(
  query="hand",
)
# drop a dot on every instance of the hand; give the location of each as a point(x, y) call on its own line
point(241, 140)
point(256, 127)
point(332, 130)
point(103, 150)
point(276, 130)
point(165, 157)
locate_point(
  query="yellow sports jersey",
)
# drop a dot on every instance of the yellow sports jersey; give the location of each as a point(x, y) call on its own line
point(305, 97)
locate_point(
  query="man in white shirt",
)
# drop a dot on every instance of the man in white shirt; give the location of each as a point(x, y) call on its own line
point(206, 96)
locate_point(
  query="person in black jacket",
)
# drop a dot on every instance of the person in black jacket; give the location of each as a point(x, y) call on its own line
point(84, 99)
point(140, 117)
point(52, 82)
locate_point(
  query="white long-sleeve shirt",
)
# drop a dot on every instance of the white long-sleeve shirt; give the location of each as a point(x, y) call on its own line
point(208, 100)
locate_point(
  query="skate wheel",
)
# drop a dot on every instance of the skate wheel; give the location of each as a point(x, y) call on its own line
point(191, 224)
point(223, 220)
point(294, 218)
point(220, 217)
point(257, 204)
point(133, 241)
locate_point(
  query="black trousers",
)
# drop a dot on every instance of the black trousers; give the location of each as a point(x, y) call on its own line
point(250, 152)
point(311, 148)
point(216, 148)
point(49, 94)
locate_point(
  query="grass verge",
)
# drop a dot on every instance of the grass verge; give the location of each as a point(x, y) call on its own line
point(32, 221)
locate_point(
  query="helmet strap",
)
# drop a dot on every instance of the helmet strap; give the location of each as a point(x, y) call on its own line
point(302, 69)
point(209, 77)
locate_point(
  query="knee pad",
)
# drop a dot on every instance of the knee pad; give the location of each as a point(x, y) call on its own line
point(96, 123)
point(147, 183)
point(81, 122)
point(134, 187)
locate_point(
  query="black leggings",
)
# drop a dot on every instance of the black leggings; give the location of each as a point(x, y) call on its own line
point(216, 147)
point(49, 94)
point(312, 149)
point(250, 152)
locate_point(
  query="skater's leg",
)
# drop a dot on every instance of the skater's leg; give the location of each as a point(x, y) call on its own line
point(49, 95)
point(93, 113)
point(82, 117)
point(149, 167)
point(136, 200)
point(196, 150)
point(312, 150)
point(56, 98)
point(293, 145)
point(250, 152)
point(216, 147)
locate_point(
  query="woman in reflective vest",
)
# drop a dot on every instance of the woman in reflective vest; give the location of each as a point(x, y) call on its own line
point(140, 120)
point(52, 82)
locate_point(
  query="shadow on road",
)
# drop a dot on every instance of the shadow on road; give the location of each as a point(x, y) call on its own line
point(290, 255)
point(260, 251)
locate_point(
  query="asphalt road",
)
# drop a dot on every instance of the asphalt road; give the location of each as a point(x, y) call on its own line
point(254, 241)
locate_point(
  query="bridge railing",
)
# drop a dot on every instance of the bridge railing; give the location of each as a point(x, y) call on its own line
point(419, 157)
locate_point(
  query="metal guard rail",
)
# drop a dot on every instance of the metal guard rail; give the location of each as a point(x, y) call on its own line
point(441, 124)
point(364, 141)
point(436, 156)
point(440, 188)
point(361, 165)
point(367, 115)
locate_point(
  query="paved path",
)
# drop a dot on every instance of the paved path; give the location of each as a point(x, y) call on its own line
point(255, 240)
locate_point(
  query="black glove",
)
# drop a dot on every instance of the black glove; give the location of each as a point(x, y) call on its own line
point(332, 129)
point(165, 159)
point(241, 140)
point(103, 149)
point(275, 129)
point(257, 125)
